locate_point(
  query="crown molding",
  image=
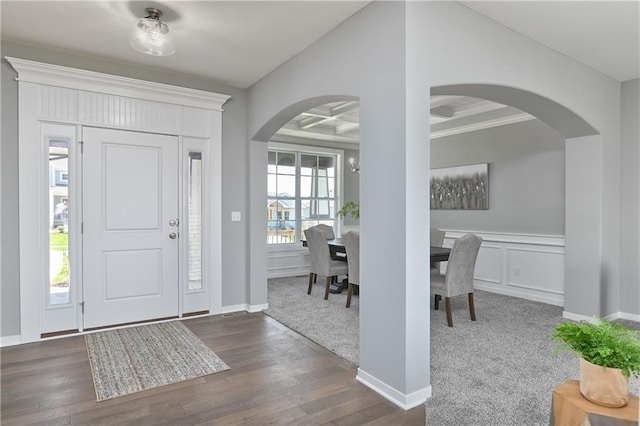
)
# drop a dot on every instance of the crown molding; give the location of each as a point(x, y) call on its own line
point(502, 121)
point(73, 78)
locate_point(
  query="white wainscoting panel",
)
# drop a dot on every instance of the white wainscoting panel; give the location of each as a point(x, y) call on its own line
point(526, 266)
point(287, 261)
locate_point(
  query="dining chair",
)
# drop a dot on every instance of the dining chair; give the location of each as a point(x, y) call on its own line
point(352, 245)
point(458, 278)
point(437, 240)
point(320, 259)
point(326, 230)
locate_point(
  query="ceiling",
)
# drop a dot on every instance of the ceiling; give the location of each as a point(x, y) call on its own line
point(239, 42)
point(604, 35)
point(235, 42)
point(337, 123)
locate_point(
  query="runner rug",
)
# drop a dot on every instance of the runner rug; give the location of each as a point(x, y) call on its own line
point(134, 359)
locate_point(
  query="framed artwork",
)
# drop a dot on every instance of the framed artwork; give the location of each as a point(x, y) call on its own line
point(460, 188)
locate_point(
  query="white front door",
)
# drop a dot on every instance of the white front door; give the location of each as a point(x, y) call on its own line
point(130, 240)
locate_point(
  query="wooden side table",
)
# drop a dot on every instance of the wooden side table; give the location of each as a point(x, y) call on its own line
point(570, 408)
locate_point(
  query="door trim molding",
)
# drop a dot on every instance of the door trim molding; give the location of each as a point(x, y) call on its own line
point(56, 94)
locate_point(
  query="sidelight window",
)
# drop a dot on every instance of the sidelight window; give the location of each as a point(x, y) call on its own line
point(59, 269)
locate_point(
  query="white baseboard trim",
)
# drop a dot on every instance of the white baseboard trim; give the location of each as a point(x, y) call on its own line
point(244, 307)
point(257, 308)
point(623, 315)
point(234, 308)
point(556, 300)
point(610, 317)
point(576, 317)
point(406, 402)
point(10, 341)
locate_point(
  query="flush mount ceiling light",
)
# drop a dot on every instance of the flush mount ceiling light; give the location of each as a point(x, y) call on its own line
point(151, 35)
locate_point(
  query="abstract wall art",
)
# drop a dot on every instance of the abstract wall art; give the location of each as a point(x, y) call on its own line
point(460, 188)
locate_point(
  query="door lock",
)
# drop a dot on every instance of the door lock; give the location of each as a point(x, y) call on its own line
point(173, 235)
point(174, 222)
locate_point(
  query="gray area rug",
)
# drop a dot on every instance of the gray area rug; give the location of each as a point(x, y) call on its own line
point(498, 370)
point(134, 359)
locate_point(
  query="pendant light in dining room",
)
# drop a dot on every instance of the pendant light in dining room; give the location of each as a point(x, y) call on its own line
point(151, 35)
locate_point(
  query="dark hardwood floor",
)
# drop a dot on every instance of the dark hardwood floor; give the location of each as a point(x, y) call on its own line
point(276, 377)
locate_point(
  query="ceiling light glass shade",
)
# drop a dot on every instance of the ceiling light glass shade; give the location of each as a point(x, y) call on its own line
point(151, 37)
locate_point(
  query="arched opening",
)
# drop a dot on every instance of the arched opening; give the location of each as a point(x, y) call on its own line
point(583, 292)
point(309, 178)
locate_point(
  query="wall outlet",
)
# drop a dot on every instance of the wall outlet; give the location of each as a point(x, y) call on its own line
point(236, 217)
point(516, 271)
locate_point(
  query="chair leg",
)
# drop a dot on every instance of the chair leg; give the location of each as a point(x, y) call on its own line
point(447, 303)
point(436, 301)
point(472, 308)
point(326, 290)
point(349, 293)
point(311, 281)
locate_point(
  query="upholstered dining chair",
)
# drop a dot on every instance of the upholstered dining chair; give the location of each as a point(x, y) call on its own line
point(321, 262)
point(437, 240)
point(326, 230)
point(352, 245)
point(458, 278)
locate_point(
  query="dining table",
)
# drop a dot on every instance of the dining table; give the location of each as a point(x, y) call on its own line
point(338, 252)
point(336, 245)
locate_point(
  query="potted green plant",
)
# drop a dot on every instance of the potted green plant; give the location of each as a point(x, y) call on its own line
point(610, 354)
point(350, 208)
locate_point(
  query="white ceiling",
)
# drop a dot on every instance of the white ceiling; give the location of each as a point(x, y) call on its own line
point(604, 35)
point(239, 42)
point(235, 42)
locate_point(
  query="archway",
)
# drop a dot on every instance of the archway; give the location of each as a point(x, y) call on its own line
point(583, 293)
point(258, 189)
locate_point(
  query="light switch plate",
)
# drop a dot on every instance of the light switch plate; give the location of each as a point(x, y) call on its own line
point(236, 217)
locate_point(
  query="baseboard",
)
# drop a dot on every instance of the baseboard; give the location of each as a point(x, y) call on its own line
point(624, 316)
point(610, 317)
point(234, 308)
point(244, 307)
point(10, 341)
point(576, 317)
point(556, 300)
point(406, 402)
point(257, 308)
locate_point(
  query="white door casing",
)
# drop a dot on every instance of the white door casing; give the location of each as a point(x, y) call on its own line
point(76, 98)
point(130, 195)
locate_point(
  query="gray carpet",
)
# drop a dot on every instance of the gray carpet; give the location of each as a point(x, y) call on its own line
point(496, 371)
point(134, 359)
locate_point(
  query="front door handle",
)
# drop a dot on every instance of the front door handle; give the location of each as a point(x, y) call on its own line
point(173, 235)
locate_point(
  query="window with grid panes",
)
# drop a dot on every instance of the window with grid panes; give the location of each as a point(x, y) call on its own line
point(301, 193)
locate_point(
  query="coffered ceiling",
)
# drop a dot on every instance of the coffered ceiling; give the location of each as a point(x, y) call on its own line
point(338, 122)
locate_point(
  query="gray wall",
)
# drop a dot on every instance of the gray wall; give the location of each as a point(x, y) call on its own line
point(9, 281)
point(351, 184)
point(526, 178)
point(366, 57)
point(630, 211)
point(235, 163)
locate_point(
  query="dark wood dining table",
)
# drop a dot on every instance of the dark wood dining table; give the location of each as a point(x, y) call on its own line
point(338, 252)
point(438, 254)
